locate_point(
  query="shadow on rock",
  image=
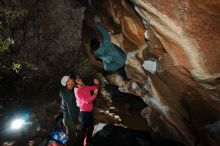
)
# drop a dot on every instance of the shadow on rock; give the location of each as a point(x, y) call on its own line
point(112, 135)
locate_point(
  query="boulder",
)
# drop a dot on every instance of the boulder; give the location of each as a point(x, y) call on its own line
point(172, 62)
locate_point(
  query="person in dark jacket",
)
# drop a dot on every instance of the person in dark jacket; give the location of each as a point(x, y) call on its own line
point(70, 109)
point(112, 56)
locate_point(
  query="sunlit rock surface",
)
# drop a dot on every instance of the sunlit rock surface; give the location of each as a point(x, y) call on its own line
point(173, 62)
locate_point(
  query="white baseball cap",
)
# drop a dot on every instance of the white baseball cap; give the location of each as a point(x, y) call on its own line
point(64, 80)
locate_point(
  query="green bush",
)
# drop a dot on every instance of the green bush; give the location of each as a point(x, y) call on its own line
point(1, 25)
point(16, 67)
point(12, 14)
point(5, 44)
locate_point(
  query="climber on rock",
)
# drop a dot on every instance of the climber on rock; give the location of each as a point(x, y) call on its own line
point(112, 56)
point(85, 95)
point(70, 109)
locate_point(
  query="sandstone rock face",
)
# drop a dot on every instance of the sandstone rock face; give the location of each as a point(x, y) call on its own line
point(181, 82)
point(188, 31)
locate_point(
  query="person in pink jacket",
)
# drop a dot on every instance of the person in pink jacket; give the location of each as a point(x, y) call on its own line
point(85, 95)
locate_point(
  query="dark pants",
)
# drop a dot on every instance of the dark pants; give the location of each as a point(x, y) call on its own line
point(87, 124)
point(70, 130)
point(121, 71)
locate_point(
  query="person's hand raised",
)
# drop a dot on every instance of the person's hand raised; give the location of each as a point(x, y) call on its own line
point(97, 19)
point(78, 127)
point(96, 92)
point(96, 81)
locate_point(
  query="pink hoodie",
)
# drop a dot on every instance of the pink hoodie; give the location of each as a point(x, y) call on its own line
point(84, 98)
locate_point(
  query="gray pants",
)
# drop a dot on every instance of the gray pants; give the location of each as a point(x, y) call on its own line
point(70, 130)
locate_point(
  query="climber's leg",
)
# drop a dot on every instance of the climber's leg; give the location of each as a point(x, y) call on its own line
point(121, 71)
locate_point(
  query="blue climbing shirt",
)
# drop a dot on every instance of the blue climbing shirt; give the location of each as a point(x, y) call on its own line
point(112, 56)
